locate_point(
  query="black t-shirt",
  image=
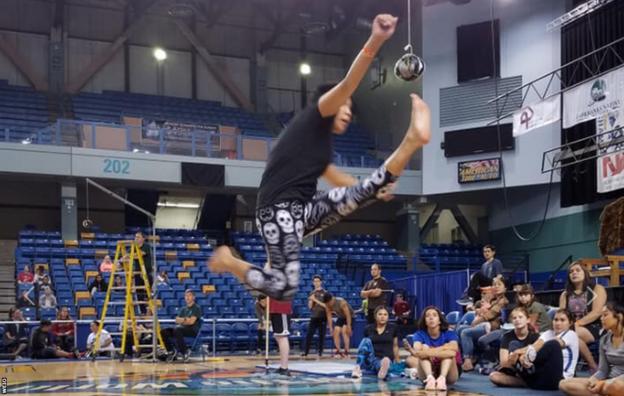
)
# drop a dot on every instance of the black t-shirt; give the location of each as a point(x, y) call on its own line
point(298, 159)
point(382, 343)
point(39, 340)
point(374, 302)
point(510, 337)
point(317, 311)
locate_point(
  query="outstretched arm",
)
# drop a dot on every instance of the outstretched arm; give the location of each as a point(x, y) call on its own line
point(330, 102)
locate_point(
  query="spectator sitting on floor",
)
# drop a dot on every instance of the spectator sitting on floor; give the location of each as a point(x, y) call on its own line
point(187, 325)
point(98, 284)
point(548, 360)
point(435, 353)
point(538, 317)
point(107, 264)
point(26, 276)
point(64, 332)
point(585, 301)
point(42, 347)
point(379, 349)
point(514, 345)
point(106, 341)
point(609, 379)
point(15, 339)
point(47, 298)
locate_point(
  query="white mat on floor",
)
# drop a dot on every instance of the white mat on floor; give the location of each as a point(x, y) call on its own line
point(322, 367)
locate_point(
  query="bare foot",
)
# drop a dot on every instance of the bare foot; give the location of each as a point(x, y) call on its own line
point(219, 262)
point(419, 131)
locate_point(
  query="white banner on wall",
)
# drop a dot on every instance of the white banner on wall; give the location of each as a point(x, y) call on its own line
point(537, 115)
point(595, 97)
point(610, 163)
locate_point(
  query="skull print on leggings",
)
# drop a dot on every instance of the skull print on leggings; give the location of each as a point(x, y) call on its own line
point(284, 224)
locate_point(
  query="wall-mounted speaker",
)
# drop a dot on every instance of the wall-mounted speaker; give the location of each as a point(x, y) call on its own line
point(478, 140)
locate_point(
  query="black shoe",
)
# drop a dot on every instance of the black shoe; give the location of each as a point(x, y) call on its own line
point(304, 354)
point(464, 301)
point(283, 371)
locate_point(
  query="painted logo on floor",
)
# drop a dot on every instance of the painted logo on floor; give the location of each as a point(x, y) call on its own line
point(220, 382)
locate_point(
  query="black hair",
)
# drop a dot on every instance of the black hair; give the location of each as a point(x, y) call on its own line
point(569, 287)
point(45, 322)
point(422, 322)
point(379, 308)
point(491, 247)
point(327, 297)
point(317, 276)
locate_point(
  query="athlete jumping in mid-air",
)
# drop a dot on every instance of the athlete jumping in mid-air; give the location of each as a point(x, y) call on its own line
point(288, 206)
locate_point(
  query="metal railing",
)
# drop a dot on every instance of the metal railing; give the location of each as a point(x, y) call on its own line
point(205, 142)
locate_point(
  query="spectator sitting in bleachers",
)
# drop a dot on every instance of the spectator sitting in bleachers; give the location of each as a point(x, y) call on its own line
point(487, 318)
point(27, 298)
point(47, 299)
point(609, 378)
point(401, 311)
point(187, 325)
point(490, 269)
point(548, 360)
point(435, 351)
point(260, 307)
point(44, 283)
point(39, 274)
point(26, 276)
point(585, 302)
point(163, 279)
point(42, 347)
point(15, 339)
point(107, 264)
point(98, 285)
point(118, 282)
point(343, 325)
point(64, 332)
point(106, 341)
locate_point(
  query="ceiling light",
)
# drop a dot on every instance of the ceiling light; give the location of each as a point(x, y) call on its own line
point(160, 54)
point(182, 205)
point(305, 69)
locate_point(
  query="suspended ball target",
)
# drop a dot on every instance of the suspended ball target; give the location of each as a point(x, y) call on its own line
point(409, 67)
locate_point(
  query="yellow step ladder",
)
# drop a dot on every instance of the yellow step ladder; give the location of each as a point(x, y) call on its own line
point(129, 270)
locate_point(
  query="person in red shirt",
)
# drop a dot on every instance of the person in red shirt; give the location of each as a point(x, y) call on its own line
point(279, 315)
point(64, 332)
point(26, 276)
point(401, 310)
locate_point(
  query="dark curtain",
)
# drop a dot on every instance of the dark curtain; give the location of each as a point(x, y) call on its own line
point(146, 199)
point(578, 182)
point(439, 289)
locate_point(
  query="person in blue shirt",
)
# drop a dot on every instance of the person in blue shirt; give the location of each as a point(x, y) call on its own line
point(490, 269)
point(435, 351)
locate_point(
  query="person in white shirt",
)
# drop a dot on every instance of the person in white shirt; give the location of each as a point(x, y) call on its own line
point(47, 299)
point(106, 341)
point(548, 360)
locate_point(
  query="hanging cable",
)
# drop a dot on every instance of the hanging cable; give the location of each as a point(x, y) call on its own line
point(515, 230)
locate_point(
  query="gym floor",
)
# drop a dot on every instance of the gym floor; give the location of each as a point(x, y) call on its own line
point(234, 375)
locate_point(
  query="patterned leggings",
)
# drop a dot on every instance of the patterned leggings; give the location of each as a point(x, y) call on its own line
point(284, 225)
